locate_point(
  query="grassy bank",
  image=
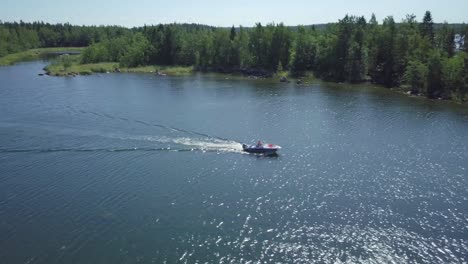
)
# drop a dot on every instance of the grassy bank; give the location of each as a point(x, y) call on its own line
point(32, 54)
point(306, 77)
point(58, 69)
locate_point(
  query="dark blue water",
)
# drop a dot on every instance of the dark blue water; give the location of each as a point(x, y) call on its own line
point(136, 168)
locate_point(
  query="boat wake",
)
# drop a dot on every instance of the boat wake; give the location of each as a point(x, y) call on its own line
point(193, 144)
point(48, 150)
point(163, 144)
point(73, 139)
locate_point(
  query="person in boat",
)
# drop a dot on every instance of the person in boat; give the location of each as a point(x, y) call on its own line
point(259, 144)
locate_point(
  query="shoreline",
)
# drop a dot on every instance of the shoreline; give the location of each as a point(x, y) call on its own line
point(76, 69)
point(308, 78)
point(161, 70)
point(113, 67)
point(35, 54)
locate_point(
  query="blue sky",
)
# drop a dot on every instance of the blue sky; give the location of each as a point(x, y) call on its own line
point(223, 13)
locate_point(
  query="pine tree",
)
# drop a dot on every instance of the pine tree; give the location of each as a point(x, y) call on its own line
point(427, 27)
point(384, 69)
point(449, 42)
point(373, 20)
point(434, 78)
point(233, 33)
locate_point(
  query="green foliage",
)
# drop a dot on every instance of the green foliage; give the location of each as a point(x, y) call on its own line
point(438, 76)
point(343, 54)
point(221, 48)
point(452, 76)
point(464, 87)
point(445, 40)
point(136, 53)
point(385, 68)
point(355, 66)
point(242, 40)
point(434, 86)
point(259, 44)
point(305, 48)
point(205, 50)
point(280, 47)
point(326, 58)
point(130, 50)
point(66, 61)
point(416, 76)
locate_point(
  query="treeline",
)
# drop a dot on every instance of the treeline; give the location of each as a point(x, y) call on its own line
point(417, 54)
point(413, 53)
point(16, 37)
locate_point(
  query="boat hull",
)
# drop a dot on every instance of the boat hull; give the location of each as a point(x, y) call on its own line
point(268, 149)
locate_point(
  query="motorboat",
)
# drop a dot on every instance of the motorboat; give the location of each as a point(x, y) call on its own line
point(261, 148)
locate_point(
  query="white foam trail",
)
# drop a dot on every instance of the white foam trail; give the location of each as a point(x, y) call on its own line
point(195, 143)
point(214, 144)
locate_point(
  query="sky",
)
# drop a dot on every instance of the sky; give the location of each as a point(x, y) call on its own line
point(224, 13)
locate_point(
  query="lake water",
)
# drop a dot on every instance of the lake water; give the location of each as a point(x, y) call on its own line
point(136, 168)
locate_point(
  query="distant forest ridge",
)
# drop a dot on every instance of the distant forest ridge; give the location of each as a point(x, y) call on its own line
point(429, 58)
point(458, 27)
point(14, 36)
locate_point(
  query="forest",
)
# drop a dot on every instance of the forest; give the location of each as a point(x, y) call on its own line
point(419, 55)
